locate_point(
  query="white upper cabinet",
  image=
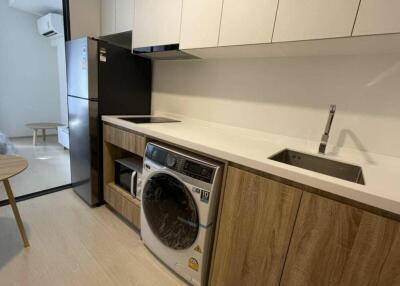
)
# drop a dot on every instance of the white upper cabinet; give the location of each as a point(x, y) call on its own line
point(116, 16)
point(124, 15)
point(314, 19)
point(107, 17)
point(247, 22)
point(378, 17)
point(200, 23)
point(156, 22)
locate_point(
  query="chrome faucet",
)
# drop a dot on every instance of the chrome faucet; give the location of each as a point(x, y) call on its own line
point(325, 136)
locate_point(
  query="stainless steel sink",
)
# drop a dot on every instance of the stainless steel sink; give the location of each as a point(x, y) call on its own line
point(317, 164)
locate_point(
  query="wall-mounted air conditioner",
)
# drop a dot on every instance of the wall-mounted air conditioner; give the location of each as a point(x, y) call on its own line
point(51, 25)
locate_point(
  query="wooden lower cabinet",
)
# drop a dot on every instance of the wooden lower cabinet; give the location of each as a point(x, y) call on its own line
point(337, 244)
point(257, 220)
point(123, 203)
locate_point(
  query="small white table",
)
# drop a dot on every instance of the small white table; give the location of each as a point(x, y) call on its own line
point(43, 126)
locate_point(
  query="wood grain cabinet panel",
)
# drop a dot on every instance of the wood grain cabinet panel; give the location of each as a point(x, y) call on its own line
point(298, 20)
point(378, 17)
point(337, 244)
point(123, 203)
point(129, 141)
point(256, 223)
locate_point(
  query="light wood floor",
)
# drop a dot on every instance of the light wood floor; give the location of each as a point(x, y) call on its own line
point(72, 244)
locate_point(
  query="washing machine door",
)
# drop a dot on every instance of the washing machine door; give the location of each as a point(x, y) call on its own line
point(170, 211)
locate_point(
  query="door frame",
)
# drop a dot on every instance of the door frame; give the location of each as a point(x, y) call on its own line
point(67, 24)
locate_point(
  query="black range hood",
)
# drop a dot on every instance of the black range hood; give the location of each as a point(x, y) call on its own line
point(164, 52)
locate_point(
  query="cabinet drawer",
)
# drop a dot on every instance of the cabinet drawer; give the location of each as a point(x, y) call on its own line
point(129, 141)
point(122, 203)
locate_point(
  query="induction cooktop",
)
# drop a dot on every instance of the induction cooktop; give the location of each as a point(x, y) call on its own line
point(139, 120)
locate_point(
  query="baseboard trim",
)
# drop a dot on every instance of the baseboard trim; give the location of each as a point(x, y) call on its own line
point(37, 194)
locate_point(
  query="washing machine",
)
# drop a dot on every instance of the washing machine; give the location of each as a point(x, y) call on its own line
point(179, 200)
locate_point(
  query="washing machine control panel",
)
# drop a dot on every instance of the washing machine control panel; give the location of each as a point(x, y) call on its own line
point(180, 163)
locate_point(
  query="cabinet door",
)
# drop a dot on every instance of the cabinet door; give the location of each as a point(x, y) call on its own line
point(247, 22)
point(336, 244)
point(124, 15)
point(314, 19)
point(85, 18)
point(108, 17)
point(156, 22)
point(378, 17)
point(200, 23)
point(257, 220)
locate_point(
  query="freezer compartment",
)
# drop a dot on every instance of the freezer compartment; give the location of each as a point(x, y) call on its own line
point(82, 68)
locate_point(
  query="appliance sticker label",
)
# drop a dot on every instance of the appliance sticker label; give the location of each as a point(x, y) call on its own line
point(193, 264)
point(198, 249)
point(205, 196)
point(103, 55)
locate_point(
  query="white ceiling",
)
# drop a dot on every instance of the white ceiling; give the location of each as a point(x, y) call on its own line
point(37, 7)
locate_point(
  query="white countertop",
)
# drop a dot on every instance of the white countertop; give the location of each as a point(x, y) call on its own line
point(253, 148)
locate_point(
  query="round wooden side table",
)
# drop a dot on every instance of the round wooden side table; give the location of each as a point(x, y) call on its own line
point(9, 167)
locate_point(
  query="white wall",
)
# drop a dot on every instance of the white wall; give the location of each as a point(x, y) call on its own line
point(290, 96)
point(29, 89)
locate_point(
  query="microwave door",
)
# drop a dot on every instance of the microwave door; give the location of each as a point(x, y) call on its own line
point(133, 183)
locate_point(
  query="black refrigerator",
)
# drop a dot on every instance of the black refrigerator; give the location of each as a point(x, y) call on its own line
point(103, 79)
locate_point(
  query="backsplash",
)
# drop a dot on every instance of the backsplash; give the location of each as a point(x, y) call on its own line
point(290, 96)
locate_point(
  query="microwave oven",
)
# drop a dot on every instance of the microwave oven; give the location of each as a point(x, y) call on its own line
point(128, 174)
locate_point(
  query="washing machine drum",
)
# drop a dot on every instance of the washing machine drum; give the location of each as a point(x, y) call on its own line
point(170, 211)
